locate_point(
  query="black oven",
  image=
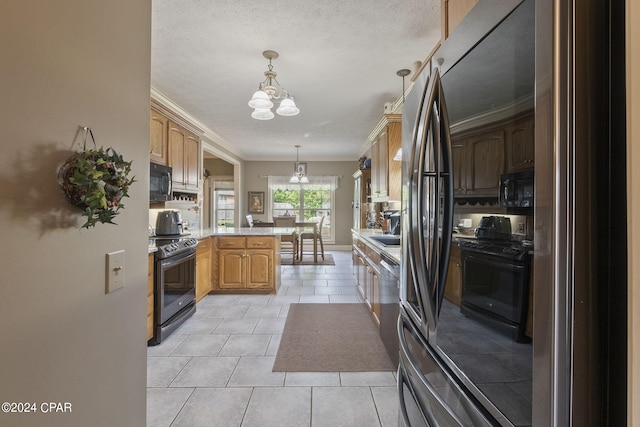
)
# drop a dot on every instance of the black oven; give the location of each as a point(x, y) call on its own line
point(174, 285)
point(495, 286)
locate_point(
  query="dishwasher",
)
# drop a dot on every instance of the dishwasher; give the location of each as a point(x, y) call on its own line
point(389, 305)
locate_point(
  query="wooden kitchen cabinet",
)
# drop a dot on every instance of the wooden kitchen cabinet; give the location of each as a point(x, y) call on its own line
point(479, 160)
point(374, 281)
point(184, 149)
point(520, 148)
point(366, 261)
point(453, 287)
point(361, 196)
point(248, 264)
point(386, 173)
point(453, 12)
point(159, 128)
point(150, 297)
point(203, 268)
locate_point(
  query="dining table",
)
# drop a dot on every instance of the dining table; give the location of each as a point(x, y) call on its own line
point(298, 225)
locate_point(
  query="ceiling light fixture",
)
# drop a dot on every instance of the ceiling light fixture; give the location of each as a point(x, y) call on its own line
point(269, 90)
point(402, 73)
point(299, 171)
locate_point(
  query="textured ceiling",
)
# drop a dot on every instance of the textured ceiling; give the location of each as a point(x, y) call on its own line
point(337, 59)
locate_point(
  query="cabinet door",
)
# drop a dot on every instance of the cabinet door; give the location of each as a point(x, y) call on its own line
point(521, 145)
point(259, 269)
point(458, 154)
point(203, 268)
point(453, 289)
point(177, 141)
point(159, 128)
point(231, 269)
point(379, 166)
point(191, 161)
point(394, 170)
point(486, 164)
point(375, 295)
point(362, 276)
point(357, 185)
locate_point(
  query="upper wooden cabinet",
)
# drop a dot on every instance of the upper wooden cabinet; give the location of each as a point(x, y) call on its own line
point(453, 11)
point(386, 173)
point(478, 163)
point(520, 144)
point(361, 195)
point(184, 149)
point(482, 154)
point(158, 130)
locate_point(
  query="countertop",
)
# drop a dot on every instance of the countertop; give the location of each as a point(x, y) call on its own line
point(392, 252)
point(224, 231)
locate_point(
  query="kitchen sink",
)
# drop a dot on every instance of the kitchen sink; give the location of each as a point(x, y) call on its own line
point(386, 239)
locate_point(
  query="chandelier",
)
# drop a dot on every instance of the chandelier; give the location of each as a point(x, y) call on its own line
point(269, 90)
point(299, 171)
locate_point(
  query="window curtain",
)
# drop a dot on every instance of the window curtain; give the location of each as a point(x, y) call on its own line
point(315, 183)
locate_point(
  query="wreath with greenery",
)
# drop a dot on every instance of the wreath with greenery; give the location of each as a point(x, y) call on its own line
point(96, 180)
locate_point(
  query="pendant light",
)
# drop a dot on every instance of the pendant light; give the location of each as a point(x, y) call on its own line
point(402, 73)
point(299, 171)
point(268, 90)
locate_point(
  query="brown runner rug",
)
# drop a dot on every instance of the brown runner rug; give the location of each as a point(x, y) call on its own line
point(331, 338)
point(308, 260)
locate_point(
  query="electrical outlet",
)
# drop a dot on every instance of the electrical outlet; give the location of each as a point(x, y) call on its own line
point(115, 271)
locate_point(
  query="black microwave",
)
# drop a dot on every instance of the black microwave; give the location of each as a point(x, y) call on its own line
point(160, 183)
point(516, 190)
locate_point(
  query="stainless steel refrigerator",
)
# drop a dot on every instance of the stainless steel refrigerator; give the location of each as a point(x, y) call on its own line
point(536, 334)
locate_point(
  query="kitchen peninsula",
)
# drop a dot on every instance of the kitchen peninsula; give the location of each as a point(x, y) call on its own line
point(242, 260)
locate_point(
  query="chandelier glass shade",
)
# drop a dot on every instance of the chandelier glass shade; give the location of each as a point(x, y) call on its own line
point(268, 91)
point(299, 171)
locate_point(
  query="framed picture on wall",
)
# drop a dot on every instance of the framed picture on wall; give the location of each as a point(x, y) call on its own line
point(301, 169)
point(256, 202)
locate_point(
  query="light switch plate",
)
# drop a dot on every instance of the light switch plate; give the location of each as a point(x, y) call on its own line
point(115, 271)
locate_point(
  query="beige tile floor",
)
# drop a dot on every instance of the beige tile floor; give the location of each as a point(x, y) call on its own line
point(215, 370)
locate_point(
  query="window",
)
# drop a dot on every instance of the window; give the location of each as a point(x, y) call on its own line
point(308, 202)
point(223, 206)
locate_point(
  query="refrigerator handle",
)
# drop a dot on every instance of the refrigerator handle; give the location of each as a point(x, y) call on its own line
point(422, 264)
point(448, 202)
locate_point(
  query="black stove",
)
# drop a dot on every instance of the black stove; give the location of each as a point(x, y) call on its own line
point(170, 246)
point(509, 249)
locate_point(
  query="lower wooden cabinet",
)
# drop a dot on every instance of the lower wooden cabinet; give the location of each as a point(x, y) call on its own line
point(453, 287)
point(367, 274)
point(203, 268)
point(248, 264)
point(150, 298)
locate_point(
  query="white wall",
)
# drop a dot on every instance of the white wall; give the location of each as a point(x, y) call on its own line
point(65, 64)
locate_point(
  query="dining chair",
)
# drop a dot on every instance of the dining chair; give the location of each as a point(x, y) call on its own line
point(289, 241)
point(250, 220)
point(315, 236)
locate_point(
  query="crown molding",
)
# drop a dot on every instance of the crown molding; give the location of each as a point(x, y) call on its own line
point(173, 111)
point(384, 121)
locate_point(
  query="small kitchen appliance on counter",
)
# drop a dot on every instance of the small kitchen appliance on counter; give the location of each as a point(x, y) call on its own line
point(169, 223)
point(494, 228)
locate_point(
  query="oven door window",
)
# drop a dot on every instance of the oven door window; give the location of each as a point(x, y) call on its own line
point(177, 283)
point(494, 285)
